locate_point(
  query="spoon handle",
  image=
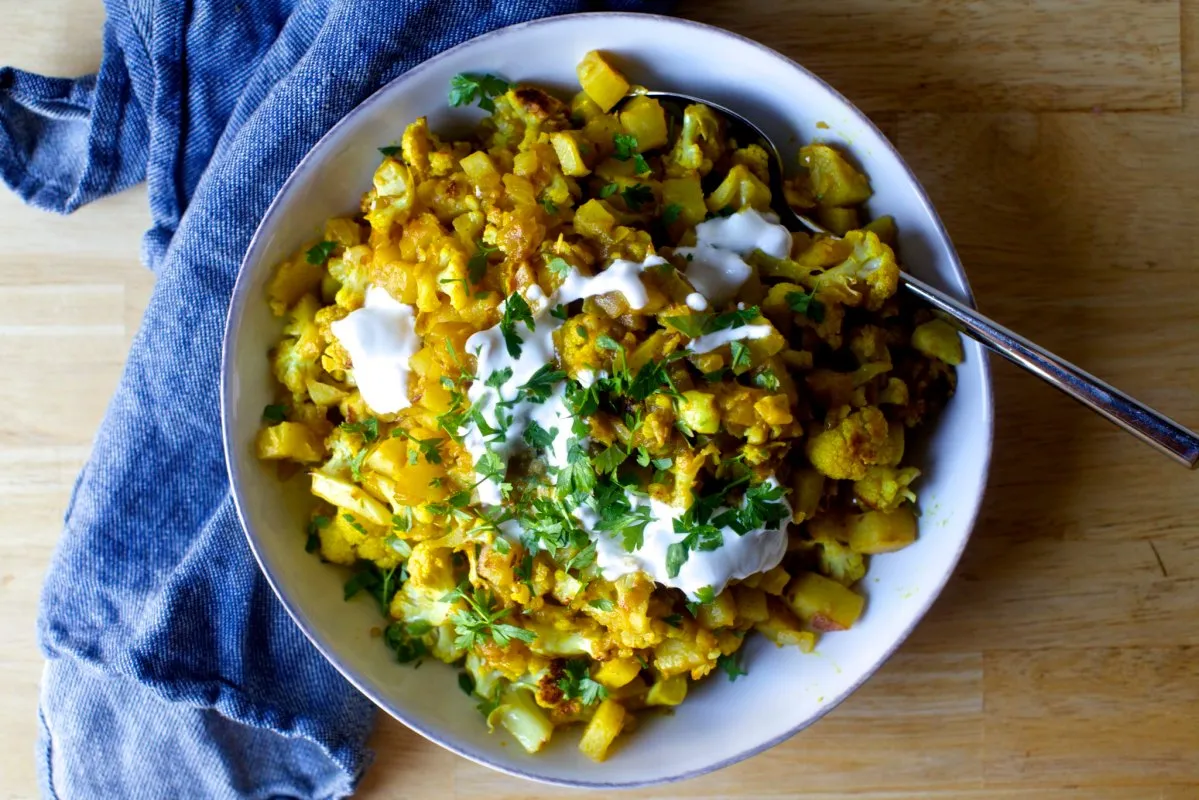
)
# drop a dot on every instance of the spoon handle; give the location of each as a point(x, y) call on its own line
point(1137, 418)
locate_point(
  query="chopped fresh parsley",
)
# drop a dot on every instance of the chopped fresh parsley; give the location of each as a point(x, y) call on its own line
point(391, 151)
point(559, 312)
point(480, 621)
point(368, 428)
point(673, 620)
point(602, 604)
point(466, 88)
point(766, 379)
point(731, 664)
point(538, 437)
point(402, 522)
point(549, 205)
point(626, 145)
point(698, 324)
point(619, 516)
point(606, 342)
point(466, 683)
point(319, 254)
point(275, 413)
point(355, 462)
point(608, 189)
point(476, 267)
point(355, 524)
point(670, 214)
point(705, 594)
point(576, 682)
point(427, 447)
point(762, 506)
point(741, 359)
point(609, 459)
point(314, 536)
point(637, 195)
point(806, 304)
point(382, 584)
point(541, 383)
point(405, 640)
point(516, 311)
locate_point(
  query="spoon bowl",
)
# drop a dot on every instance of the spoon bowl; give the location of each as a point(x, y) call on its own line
point(1148, 425)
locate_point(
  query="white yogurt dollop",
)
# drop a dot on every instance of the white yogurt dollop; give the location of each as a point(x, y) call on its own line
point(380, 338)
point(717, 267)
point(739, 557)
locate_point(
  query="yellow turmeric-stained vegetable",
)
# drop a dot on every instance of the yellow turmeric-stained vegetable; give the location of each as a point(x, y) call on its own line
point(602, 730)
point(822, 603)
point(644, 118)
point(834, 181)
point(667, 691)
point(602, 82)
point(508, 367)
point(882, 531)
point(290, 440)
point(937, 339)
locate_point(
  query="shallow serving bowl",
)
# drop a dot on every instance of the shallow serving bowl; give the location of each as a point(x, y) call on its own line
point(720, 722)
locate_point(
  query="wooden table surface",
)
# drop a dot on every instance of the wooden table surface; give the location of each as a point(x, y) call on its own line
point(1060, 141)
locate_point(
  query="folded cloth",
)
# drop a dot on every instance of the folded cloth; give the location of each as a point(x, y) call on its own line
point(173, 672)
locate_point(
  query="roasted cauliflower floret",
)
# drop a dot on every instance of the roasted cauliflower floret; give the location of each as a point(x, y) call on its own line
point(699, 145)
point(847, 450)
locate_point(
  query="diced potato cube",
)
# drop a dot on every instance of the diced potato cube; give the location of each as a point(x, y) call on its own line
point(839, 221)
point(344, 231)
point(834, 181)
point(570, 157)
point(593, 220)
point(698, 410)
point(602, 82)
point(774, 409)
point(350, 497)
point(937, 339)
point(783, 628)
point(688, 194)
point(824, 604)
point(389, 457)
point(667, 691)
point(617, 672)
point(720, 613)
point(602, 730)
point(480, 170)
point(751, 604)
point(290, 440)
point(324, 395)
point(807, 488)
point(645, 118)
point(884, 229)
point(882, 531)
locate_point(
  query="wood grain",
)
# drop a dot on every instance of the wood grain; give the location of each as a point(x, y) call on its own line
point(951, 55)
point(1060, 662)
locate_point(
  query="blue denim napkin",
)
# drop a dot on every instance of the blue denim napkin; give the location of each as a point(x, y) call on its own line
point(172, 670)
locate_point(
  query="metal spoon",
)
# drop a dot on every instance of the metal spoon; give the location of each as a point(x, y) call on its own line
point(1133, 416)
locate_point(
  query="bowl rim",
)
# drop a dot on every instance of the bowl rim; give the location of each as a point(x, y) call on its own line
point(240, 296)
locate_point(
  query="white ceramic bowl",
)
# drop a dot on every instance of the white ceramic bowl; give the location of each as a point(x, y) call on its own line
point(721, 722)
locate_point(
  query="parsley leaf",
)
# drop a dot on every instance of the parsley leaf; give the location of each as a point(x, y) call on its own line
point(467, 87)
point(651, 378)
point(368, 428)
point(640, 165)
point(673, 620)
point(637, 195)
point(610, 459)
point(355, 524)
point(538, 437)
point(541, 384)
point(576, 681)
point(549, 205)
point(516, 310)
point(559, 312)
point(476, 267)
point(670, 214)
point(466, 683)
point(405, 640)
point(608, 189)
point(275, 413)
point(319, 254)
point(381, 583)
point(691, 325)
point(766, 379)
point(806, 304)
point(741, 359)
point(480, 620)
point(618, 515)
point(391, 151)
point(602, 604)
point(314, 537)
point(606, 342)
point(731, 664)
point(626, 146)
point(427, 447)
